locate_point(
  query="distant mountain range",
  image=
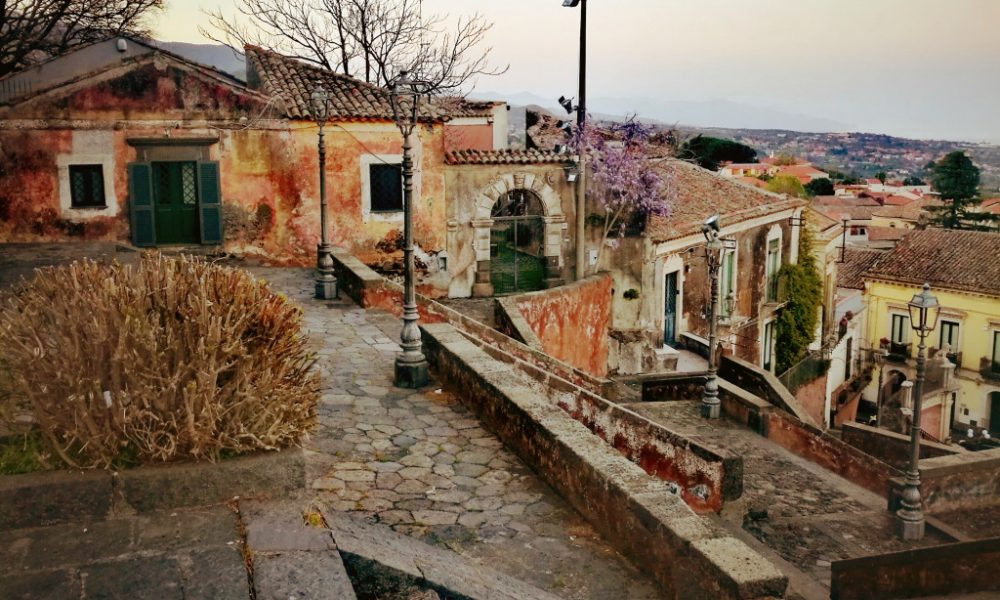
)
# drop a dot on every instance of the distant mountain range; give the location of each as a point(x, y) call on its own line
point(712, 113)
point(214, 55)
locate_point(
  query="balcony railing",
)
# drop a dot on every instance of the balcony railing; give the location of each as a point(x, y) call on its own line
point(989, 368)
point(899, 352)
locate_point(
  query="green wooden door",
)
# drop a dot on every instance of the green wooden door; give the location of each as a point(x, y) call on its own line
point(175, 202)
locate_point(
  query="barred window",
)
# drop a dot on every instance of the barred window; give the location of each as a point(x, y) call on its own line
point(86, 184)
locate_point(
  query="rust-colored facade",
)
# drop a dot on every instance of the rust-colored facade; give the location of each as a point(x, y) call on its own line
point(103, 110)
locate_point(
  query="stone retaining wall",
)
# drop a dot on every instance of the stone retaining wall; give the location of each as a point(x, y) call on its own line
point(965, 567)
point(51, 497)
point(777, 425)
point(959, 481)
point(891, 447)
point(572, 321)
point(638, 513)
point(371, 290)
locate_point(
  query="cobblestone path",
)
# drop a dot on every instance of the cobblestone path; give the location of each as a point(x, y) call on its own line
point(813, 517)
point(419, 462)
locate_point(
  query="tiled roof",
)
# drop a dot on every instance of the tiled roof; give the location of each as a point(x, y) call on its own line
point(849, 210)
point(946, 258)
point(800, 170)
point(857, 262)
point(910, 211)
point(820, 220)
point(895, 200)
point(887, 234)
point(293, 82)
point(701, 193)
point(505, 157)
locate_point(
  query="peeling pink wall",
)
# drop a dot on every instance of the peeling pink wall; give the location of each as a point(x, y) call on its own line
point(572, 322)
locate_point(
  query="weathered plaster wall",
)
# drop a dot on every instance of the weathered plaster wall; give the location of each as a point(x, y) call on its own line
point(572, 321)
point(741, 336)
point(812, 398)
point(269, 167)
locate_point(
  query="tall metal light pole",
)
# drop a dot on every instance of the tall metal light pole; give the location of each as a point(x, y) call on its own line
point(326, 283)
point(581, 117)
point(710, 405)
point(411, 365)
point(924, 310)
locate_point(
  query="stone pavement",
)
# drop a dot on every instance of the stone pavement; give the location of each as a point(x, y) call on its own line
point(420, 463)
point(192, 554)
point(414, 461)
point(801, 516)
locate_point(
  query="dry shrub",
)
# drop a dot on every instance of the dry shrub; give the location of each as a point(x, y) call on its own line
point(172, 359)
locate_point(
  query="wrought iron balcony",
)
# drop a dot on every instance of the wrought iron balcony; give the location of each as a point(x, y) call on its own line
point(989, 368)
point(899, 352)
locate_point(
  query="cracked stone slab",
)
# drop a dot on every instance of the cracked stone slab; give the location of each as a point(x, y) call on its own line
point(441, 569)
point(299, 574)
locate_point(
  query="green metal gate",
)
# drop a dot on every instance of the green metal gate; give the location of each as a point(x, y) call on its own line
point(517, 243)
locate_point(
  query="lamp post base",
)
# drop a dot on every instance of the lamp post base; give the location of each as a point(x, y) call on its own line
point(411, 375)
point(710, 411)
point(326, 281)
point(326, 289)
point(909, 528)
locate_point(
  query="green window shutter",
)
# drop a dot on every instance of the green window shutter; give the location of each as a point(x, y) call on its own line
point(140, 191)
point(386, 188)
point(210, 195)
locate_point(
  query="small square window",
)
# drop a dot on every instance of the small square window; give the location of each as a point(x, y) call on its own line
point(386, 188)
point(86, 184)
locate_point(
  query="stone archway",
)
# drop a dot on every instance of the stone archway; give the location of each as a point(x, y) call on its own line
point(482, 224)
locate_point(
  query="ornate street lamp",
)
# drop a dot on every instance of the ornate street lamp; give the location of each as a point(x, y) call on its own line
point(710, 406)
point(924, 309)
point(581, 117)
point(326, 283)
point(411, 365)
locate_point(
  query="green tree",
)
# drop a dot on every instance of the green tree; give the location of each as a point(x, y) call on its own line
point(914, 180)
point(881, 176)
point(783, 160)
point(710, 152)
point(796, 324)
point(786, 184)
point(957, 180)
point(820, 187)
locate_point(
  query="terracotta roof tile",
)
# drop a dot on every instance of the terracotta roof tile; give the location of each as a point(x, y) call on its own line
point(857, 262)
point(910, 211)
point(293, 82)
point(505, 157)
point(887, 234)
point(945, 258)
point(702, 193)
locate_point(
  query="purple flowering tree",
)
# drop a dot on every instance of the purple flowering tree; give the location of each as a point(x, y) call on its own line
point(623, 179)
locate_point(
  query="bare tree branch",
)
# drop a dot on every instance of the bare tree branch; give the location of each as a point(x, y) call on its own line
point(33, 30)
point(368, 39)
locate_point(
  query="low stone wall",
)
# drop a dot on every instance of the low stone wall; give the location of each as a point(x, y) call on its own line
point(572, 321)
point(511, 322)
point(962, 568)
point(891, 447)
point(640, 514)
point(820, 447)
point(51, 497)
point(777, 425)
point(762, 383)
point(958, 481)
point(371, 290)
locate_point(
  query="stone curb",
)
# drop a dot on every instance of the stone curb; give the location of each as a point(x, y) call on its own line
point(38, 499)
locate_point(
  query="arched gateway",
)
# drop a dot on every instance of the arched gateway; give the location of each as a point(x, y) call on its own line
point(518, 230)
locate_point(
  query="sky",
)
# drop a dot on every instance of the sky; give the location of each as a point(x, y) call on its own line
point(915, 68)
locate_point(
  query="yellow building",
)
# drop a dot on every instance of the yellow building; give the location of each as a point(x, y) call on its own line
point(963, 270)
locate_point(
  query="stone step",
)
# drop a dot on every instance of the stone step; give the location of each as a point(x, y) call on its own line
point(376, 553)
